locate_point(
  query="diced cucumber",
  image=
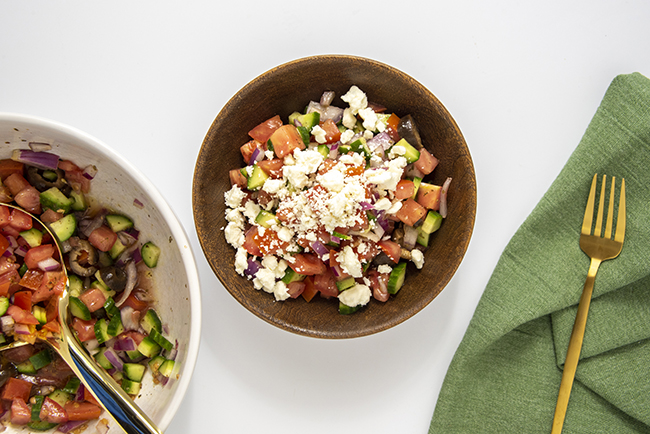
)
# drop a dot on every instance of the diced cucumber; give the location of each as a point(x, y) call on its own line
point(412, 155)
point(305, 134)
point(309, 120)
point(79, 309)
point(118, 222)
point(150, 254)
point(64, 228)
point(55, 200)
point(257, 178)
point(396, 279)
point(432, 222)
point(323, 150)
point(101, 359)
point(131, 387)
point(60, 397)
point(39, 425)
point(151, 321)
point(4, 305)
point(36, 409)
point(33, 236)
point(101, 331)
point(134, 371)
point(266, 219)
point(360, 147)
point(344, 149)
point(423, 238)
point(293, 116)
point(117, 249)
point(160, 340)
point(341, 236)
point(148, 347)
point(110, 308)
point(134, 355)
point(26, 367)
point(50, 175)
point(416, 183)
point(167, 368)
point(79, 201)
point(72, 385)
point(346, 283)
point(75, 285)
point(40, 314)
point(344, 309)
point(155, 363)
point(41, 359)
point(291, 276)
point(115, 326)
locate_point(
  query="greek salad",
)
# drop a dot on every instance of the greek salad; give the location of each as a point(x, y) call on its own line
point(333, 202)
point(109, 271)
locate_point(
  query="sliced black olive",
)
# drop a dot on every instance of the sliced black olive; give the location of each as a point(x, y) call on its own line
point(41, 183)
point(88, 268)
point(408, 131)
point(114, 278)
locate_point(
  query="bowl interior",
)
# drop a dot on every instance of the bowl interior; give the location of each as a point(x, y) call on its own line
point(289, 88)
point(117, 185)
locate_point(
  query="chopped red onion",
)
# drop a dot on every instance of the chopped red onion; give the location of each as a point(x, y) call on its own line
point(21, 250)
point(335, 271)
point(381, 140)
point(333, 113)
point(131, 277)
point(335, 239)
point(410, 237)
point(319, 248)
point(12, 241)
point(297, 123)
point(125, 343)
point(80, 396)
point(7, 253)
point(256, 156)
point(90, 172)
point(126, 238)
point(413, 172)
point(42, 160)
point(335, 146)
point(39, 146)
point(7, 323)
point(130, 318)
point(21, 329)
point(315, 107)
point(49, 264)
point(91, 345)
point(443, 197)
point(253, 267)
point(112, 357)
point(327, 97)
point(138, 204)
point(366, 206)
point(70, 426)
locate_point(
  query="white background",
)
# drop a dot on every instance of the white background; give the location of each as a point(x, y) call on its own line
point(522, 79)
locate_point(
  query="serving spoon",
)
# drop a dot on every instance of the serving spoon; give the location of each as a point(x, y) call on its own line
point(103, 387)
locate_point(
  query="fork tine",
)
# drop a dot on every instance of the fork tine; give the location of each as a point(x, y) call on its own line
point(620, 220)
point(589, 210)
point(610, 211)
point(601, 204)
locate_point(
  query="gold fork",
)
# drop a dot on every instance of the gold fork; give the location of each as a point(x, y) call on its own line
point(598, 248)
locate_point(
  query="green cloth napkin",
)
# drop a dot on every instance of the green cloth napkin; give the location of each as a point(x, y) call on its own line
point(505, 375)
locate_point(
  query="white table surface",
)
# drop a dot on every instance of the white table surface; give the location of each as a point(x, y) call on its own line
point(522, 80)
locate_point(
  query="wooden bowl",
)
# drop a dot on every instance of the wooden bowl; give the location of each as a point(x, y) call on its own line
point(288, 88)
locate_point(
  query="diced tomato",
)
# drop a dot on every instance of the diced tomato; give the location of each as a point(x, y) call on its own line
point(8, 167)
point(29, 199)
point(38, 254)
point(20, 221)
point(21, 414)
point(53, 283)
point(326, 166)
point(32, 279)
point(285, 139)
point(52, 310)
point(136, 336)
point(4, 244)
point(391, 127)
point(68, 166)
point(308, 264)
point(391, 249)
point(325, 283)
point(332, 132)
point(23, 299)
point(262, 245)
point(429, 196)
point(405, 188)
point(411, 212)
point(77, 180)
point(366, 251)
point(135, 303)
point(102, 238)
point(50, 216)
point(285, 215)
point(426, 163)
point(16, 388)
point(5, 216)
point(85, 329)
point(249, 243)
point(263, 131)
point(19, 354)
point(16, 182)
point(9, 281)
point(52, 326)
point(295, 289)
point(93, 298)
point(379, 285)
point(52, 412)
point(310, 290)
point(238, 178)
point(5, 194)
point(248, 148)
point(82, 410)
point(88, 396)
point(273, 167)
point(22, 316)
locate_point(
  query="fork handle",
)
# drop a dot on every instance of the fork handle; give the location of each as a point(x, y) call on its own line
point(575, 346)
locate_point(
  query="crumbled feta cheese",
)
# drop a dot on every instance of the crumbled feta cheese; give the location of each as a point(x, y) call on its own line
point(332, 180)
point(319, 134)
point(417, 257)
point(349, 119)
point(235, 216)
point(272, 186)
point(358, 295)
point(234, 235)
point(269, 155)
point(280, 291)
point(251, 210)
point(367, 134)
point(249, 170)
point(284, 233)
point(346, 136)
point(394, 208)
point(234, 196)
point(356, 99)
point(241, 260)
point(349, 262)
point(369, 118)
point(354, 158)
point(384, 269)
point(396, 151)
point(307, 162)
point(383, 204)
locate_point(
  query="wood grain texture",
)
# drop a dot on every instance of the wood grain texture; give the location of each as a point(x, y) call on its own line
point(288, 88)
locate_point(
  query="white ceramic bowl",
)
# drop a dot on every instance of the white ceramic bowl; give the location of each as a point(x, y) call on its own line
point(117, 184)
